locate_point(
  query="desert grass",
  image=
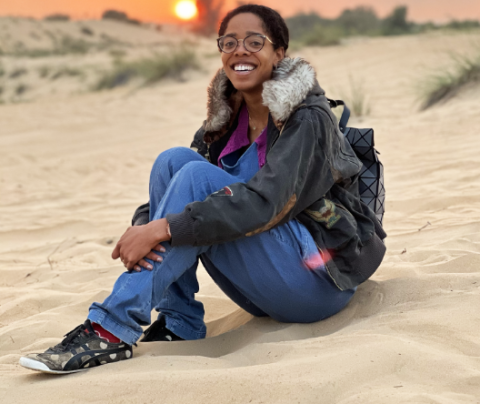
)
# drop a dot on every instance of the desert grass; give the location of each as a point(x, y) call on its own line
point(20, 89)
point(66, 71)
point(443, 85)
point(87, 31)
point(61, 45)
point(149, 70)
point(44, 71)
point(17, 72)
point(356, 97)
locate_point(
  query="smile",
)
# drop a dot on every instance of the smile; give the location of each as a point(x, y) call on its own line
point(243, 68)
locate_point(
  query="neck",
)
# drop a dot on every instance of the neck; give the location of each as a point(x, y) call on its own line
point(257, 111)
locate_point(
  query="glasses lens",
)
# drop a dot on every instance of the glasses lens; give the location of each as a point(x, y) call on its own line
point(254, 43)
point(227, 44)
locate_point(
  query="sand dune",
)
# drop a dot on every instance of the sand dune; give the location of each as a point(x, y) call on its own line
point(73, 170)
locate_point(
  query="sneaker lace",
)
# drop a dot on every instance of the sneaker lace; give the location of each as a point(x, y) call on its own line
point(72, 338)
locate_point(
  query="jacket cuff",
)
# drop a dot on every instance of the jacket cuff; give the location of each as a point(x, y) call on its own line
point(181, 229)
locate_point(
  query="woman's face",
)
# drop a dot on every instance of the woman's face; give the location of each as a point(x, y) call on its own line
point(262, 62)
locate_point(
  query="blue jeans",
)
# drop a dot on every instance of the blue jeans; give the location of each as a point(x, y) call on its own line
point(276, 273)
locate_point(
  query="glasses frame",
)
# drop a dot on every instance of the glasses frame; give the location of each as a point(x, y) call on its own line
point(243, 40)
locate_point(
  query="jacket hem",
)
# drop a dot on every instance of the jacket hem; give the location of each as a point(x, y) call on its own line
point(368, 261)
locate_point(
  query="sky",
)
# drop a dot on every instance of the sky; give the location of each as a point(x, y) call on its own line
point(162, 10)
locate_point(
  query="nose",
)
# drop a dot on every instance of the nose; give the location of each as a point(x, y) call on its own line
point(240, 49)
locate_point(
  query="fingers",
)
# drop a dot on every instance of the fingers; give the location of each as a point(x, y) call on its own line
point(145, 264)
point(116, 252)
point(137, 268)
point(154, 257)
point(159, 248)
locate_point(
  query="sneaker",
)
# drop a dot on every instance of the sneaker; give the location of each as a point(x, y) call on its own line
point(158, 331)
point(81, 349)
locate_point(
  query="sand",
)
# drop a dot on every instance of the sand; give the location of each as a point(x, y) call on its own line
point(73, 169)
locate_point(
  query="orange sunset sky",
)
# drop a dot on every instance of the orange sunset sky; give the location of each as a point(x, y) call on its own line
point(162, 10)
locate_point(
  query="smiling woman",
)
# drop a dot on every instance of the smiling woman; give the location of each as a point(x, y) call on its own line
point(248, 199)
point(186, 9)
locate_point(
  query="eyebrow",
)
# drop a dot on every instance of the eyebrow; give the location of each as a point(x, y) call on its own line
point(248, 33)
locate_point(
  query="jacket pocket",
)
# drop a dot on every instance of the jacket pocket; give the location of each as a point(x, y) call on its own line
point(338, 224)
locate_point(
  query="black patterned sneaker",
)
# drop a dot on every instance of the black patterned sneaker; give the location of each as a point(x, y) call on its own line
point(158, 331)
point(80, 350)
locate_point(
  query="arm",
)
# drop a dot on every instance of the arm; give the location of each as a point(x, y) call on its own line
point(296, 174)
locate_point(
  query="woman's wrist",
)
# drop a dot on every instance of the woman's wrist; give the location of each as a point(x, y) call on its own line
point(160, 229)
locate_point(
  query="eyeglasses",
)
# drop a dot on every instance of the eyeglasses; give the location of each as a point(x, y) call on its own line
point(253, 43)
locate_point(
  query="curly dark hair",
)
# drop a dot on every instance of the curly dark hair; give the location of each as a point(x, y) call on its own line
point(273, 23)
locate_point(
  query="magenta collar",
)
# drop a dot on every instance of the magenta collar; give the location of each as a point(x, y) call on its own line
point(240, 139)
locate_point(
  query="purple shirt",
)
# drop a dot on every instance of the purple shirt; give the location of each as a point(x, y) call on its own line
point(240, 139)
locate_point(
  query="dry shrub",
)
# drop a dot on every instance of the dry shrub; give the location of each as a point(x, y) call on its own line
point(445, 84)
point(18, 72)
point(356, 97)
point(149, 70)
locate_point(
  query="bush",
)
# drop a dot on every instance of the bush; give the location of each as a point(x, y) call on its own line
point(66, 71)
point(303, 24)
point(67, 45)
point(44, 71)
point(359, 21)
point(463, 73)
point(114, 15)
point(396, 23)
point(20, 89)
point(87, 31)
point(149, 70)
point(119, 16)
point(463, 25)
point(323, 36)
point(18, 72)
point(57, 17)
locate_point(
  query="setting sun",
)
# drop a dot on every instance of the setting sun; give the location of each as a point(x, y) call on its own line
point(186, 9)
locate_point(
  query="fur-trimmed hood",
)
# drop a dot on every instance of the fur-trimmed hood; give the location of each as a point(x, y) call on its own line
point(291, 83)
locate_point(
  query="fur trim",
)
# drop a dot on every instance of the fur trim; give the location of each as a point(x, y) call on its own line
point(290, 84)
point(219, 111)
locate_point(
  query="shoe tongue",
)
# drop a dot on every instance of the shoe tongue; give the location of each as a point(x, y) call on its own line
point(88, 327)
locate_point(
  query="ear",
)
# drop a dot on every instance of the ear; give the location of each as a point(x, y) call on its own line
point(279, 55)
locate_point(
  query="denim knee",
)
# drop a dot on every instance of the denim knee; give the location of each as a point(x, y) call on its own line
point(174, 159)
point(201, 172)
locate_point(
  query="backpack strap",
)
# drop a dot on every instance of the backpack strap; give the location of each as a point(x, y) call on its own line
point(345, 114)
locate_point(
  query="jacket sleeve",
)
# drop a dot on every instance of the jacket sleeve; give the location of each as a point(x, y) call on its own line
point(198, 144)
point(141, 215)
point(296, 174)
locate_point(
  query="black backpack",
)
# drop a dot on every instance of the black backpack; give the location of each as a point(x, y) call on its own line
point(371, 182)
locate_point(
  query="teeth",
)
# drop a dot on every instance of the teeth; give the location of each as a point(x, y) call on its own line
point(243, 67)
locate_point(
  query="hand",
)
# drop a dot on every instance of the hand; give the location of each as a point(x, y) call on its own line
point(138, 241)
point(152, 256)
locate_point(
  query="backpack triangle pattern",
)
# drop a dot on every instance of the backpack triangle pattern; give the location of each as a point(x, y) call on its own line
point(371, 179)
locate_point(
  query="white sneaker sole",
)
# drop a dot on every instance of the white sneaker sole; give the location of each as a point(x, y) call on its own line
point(32, 364)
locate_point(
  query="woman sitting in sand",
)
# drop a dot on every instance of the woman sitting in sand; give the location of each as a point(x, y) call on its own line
point(267, 200)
